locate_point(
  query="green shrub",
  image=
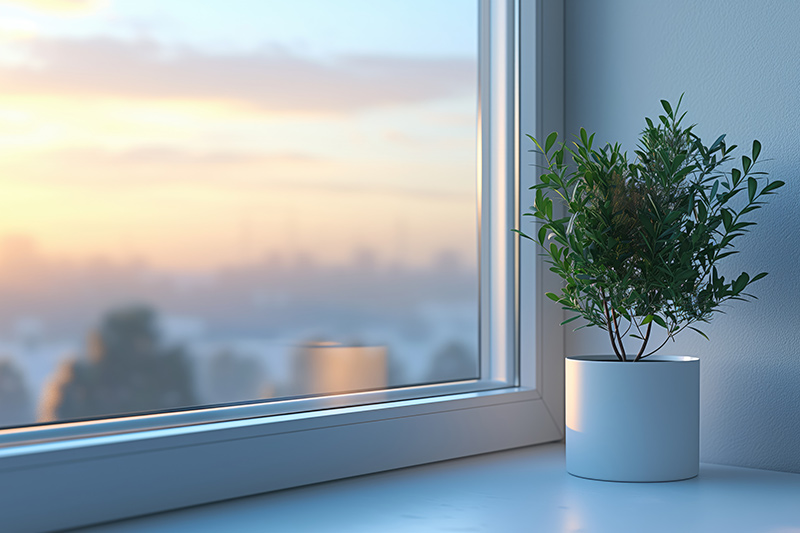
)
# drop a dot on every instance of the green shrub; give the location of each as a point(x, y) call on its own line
point(641, 241)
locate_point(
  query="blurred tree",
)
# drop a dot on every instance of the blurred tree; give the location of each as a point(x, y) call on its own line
point(127, 370)
point(16, 405)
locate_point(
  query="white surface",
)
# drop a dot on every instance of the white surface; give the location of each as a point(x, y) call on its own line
point(633, 421)
point(521, 490)
point(58, 485)
point(737, 61)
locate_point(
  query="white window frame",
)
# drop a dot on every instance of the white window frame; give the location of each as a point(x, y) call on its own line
point(71, 475)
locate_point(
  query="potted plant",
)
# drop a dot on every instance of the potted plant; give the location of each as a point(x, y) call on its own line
point(638, 249)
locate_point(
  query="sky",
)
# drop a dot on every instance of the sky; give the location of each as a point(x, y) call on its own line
point(194, 135)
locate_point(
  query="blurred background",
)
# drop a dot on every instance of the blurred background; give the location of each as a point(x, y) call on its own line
point(213, 202)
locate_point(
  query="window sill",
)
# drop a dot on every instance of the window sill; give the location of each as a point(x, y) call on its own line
point(507, 491)
point(73, 483)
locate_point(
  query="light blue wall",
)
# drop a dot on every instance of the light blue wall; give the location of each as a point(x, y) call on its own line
point(739, 64)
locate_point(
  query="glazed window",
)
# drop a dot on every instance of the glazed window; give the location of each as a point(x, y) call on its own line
point(203, 205)
point(384, 184)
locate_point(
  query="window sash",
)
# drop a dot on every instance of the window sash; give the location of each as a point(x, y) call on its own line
point(137, 470)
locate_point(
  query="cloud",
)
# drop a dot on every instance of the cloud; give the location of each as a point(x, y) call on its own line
point(58, 6)
point(269, 79)
point(164, 166)
point(404, 139)
point(166, 155)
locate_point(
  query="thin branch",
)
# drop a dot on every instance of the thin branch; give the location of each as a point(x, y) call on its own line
point(657, 349)
point(638, 328)
point(644, 342)
point(619, 337)
point(630, 322)
point(608, 323)
point(669, 336)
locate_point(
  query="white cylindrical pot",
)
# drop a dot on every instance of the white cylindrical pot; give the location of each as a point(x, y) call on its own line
point(631, 421)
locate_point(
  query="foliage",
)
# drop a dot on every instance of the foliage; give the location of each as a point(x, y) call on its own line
point(641, 241)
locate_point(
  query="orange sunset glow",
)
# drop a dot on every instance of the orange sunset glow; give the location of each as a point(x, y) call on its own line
point(191, 160)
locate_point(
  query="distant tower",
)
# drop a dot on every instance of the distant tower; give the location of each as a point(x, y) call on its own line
point(330, 368)
point(16, 404)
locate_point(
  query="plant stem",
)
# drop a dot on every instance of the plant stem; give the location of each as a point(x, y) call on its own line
point(630, 324)
point(669, 336)
point(619, 337)
point(638, 329)
point(644, 342)
point(610, 325)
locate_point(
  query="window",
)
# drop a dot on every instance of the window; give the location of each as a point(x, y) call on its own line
point(217, 206)
point(108, 469)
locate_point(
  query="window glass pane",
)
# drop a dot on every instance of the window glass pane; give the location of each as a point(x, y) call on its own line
point(223, 201)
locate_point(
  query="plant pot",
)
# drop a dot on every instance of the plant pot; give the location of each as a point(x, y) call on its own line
point(631, 421)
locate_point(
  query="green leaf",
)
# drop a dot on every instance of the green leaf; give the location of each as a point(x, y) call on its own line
point(756, 149)
point(567, 321)
point(752, 185)
point(758, 277)
point(740, 283)
point(660, 321)
point(742, 225)
point(726, 254)
point(553, 296)
point(521, 234)
point(647, 320)
point(542, 235)
point(727, 219)
point(551, 139)
point(667, 107)
point(702, 212)
point(700, 332)
point(746, 163)
point(714, 189)
point(555, 252)
point(672, 217)
point(749, 208)
point(584, 137)
point(717, 143)
point(772, 186)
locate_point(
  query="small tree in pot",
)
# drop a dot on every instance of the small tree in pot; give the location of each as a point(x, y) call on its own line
point(640, 244)
point(642, 240)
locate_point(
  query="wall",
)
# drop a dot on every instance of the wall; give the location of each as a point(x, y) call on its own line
point(739, 65)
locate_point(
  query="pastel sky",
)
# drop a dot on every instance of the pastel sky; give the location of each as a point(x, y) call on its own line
point(198, 134)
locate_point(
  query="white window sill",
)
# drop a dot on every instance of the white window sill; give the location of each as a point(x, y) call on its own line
point(526, 489)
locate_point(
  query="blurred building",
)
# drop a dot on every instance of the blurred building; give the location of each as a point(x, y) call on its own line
point(16, 404)
point(329, 368)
